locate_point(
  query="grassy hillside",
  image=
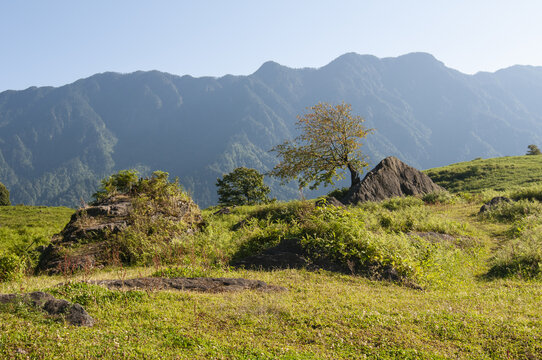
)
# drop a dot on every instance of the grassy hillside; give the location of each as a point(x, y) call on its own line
point(480, 296)
point(24, 227)
point(499, 174)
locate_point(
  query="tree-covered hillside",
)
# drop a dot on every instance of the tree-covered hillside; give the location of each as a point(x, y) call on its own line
point(56, 143)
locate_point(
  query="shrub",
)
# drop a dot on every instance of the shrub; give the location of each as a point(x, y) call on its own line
point(513, 211)
point(528, 193)
point(121, 182)
point(11, 267)
point(521, 257)
point(397, 203)
point(533, 150)
point(440, 197)
point(4, 195)
point(341, 238)
point(339, 193)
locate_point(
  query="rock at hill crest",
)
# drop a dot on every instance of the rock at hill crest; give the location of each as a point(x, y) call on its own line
point(390, 178)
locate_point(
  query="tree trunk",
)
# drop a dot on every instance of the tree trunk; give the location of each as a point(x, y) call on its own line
point(354, 177)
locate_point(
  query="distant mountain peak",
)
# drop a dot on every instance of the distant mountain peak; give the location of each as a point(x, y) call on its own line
point(270, 68)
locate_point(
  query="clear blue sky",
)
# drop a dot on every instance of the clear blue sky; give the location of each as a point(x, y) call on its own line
point(56, 42)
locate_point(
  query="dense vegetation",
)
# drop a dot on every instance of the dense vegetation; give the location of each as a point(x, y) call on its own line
point(242, 186)
point(463, 285)
point(57, 143)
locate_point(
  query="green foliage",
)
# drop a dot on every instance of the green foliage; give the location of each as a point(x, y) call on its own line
point(376, 239)
point(522, 255)
point(329, 141)
point(512, 211)
point(11, 266)
point(338, 193)
point(441, 197)
point(341, 237)
point(528, 193)
point(533, 150)
point(243, 186)
point(122, 182)
point(4, 195)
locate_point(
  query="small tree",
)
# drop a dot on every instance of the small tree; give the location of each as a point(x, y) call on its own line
point(4, 195)
point(243, 186)
point(329, 141)
point(121, 182)
point(533, 150)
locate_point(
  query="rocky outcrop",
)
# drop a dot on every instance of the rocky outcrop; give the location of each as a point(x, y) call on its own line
point(82, 242)
point(390, 178)
point(201, 284)
point(74, 314)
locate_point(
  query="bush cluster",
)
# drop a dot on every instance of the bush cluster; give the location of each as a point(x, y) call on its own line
point(377, 240)
point(4, 195)
point(11, 266)
point(513, 211)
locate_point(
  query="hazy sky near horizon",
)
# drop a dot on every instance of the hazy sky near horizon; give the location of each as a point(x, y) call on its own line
point(51, 43)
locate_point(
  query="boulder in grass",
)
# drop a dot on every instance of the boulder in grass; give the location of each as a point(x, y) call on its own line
point(74, 314)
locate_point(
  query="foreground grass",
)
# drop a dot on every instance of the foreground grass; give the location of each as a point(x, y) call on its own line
point(322, 316)
point(498, 174)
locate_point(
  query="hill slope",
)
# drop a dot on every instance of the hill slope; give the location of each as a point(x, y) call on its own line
point(499, 174)
point(57, 143)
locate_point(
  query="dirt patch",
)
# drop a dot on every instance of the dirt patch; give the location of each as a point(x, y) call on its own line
point(201, 284)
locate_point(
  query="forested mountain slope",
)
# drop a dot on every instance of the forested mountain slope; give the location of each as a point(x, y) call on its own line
point(57, 143)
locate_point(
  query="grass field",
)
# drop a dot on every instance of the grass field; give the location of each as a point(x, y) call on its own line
point(504, 173)
point(477, 293)
point(30, 226)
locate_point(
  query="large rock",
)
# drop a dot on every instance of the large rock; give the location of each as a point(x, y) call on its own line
point(390, 178)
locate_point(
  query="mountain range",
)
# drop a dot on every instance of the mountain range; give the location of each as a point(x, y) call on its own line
point(57, 143)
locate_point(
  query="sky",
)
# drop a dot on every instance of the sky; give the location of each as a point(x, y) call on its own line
point(55, 42)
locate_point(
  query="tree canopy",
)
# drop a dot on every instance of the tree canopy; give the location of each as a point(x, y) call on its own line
point(533, 150)
point(243, 186)
point(330, 140)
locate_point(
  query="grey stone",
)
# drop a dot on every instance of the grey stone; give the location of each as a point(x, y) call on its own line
point(390, 178)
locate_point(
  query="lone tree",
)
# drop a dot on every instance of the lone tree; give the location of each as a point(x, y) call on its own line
point(329, 141)
point(4, 195)
point(533, 150)
point(243, 186)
